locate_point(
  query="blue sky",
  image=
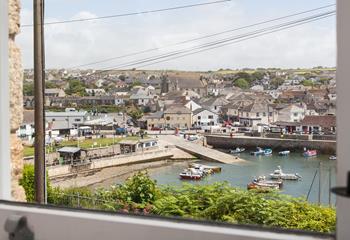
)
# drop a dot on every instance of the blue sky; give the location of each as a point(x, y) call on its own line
point(79, 43)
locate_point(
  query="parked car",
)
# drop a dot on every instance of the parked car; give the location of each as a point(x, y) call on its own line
point(156, 129)
point(243, 130)
point(316, 132)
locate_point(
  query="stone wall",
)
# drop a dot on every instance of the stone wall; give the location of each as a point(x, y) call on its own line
point(120, 160)
point(223, 142)
point(16, 101)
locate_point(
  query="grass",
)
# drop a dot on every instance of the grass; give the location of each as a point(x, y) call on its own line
point(87, 144)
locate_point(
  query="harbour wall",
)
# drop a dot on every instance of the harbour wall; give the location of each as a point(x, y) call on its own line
point(68, 171)
point(224, 142)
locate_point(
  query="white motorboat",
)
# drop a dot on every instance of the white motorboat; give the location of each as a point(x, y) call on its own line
point(191, 174)
point(237, 150)
point(284, 153)
point(258, 152)
point(279, 174)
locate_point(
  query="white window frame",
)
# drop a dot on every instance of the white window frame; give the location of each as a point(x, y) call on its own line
point(55, 223)
point(5, 168)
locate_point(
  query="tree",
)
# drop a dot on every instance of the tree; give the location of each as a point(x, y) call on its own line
point(49, 85)
point(28, 89)
point(76, 87)
point(241, 83)
point(244, 75)
point(258, 75)
point(136, 83)
point(324, 80)
point(307, 83)
point(135, 114)
point(276, 82)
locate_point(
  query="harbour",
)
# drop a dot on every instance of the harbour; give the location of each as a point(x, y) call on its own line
point(241, 175)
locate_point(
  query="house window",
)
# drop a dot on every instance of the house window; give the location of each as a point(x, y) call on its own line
point(199, 117)
point(264, 114)
point(257, 114)
point(295, 114)
point(77, 120)
point(270, 114)
point(210, 116)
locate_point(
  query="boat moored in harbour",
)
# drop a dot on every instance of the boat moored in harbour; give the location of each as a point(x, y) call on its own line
point(333, 157)
point(211, 169)
point(267, 151)
point(284, 153)
point(237, 150)
point(310, 153)
point(191, 174)
point(259, 151)
point(262, 183)
point(279, 174)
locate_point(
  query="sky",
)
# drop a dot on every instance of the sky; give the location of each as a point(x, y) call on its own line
point(74, 44)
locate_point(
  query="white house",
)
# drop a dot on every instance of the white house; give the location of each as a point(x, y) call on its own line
point(142, 97)
point(26, 130)
point(292, 113)
point(95, 91)
point(257, 88)
point(215, 104)
point(192, 105)
point(257, 113)
point(274, 93)
point(204, 117)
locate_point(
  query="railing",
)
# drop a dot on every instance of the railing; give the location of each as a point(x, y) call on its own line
point(81, 201)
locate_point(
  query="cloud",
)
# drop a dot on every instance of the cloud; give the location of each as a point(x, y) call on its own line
point(74, 44)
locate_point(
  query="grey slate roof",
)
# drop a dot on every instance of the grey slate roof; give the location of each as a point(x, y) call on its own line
point(69, 150)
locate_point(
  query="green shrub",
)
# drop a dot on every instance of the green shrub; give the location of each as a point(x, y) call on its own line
point(28, 183)
point(216, 202)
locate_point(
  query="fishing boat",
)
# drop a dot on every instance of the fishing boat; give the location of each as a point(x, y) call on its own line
point(284, 153)
point(310, 153)
point(262, 186)
point(279, 174)
point(267, 151)
point(237, 150)
point(209, 169)
point(262, 183)
point(258, 152)
point(333, 158)
point(190, 174)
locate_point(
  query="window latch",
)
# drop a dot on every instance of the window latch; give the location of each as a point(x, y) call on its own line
point(343, 191)
point(17, 228)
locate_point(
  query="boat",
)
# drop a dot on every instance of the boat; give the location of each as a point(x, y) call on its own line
point(279, 174)
point(284, 153)
point(267, 151)
point(262, 183)
point(190, 174)
point(258, 152)
point(333, 157)
point(209, 169)
point(237, 150)
point(310, 153)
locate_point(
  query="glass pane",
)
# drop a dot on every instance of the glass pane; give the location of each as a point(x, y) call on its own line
point(222, 111)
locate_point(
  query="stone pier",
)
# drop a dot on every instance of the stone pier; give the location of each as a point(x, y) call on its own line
point(226, 142)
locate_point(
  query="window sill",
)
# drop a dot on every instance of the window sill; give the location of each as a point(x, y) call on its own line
point(59, 223)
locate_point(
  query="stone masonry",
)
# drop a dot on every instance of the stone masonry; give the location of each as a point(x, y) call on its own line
point(16, 101)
